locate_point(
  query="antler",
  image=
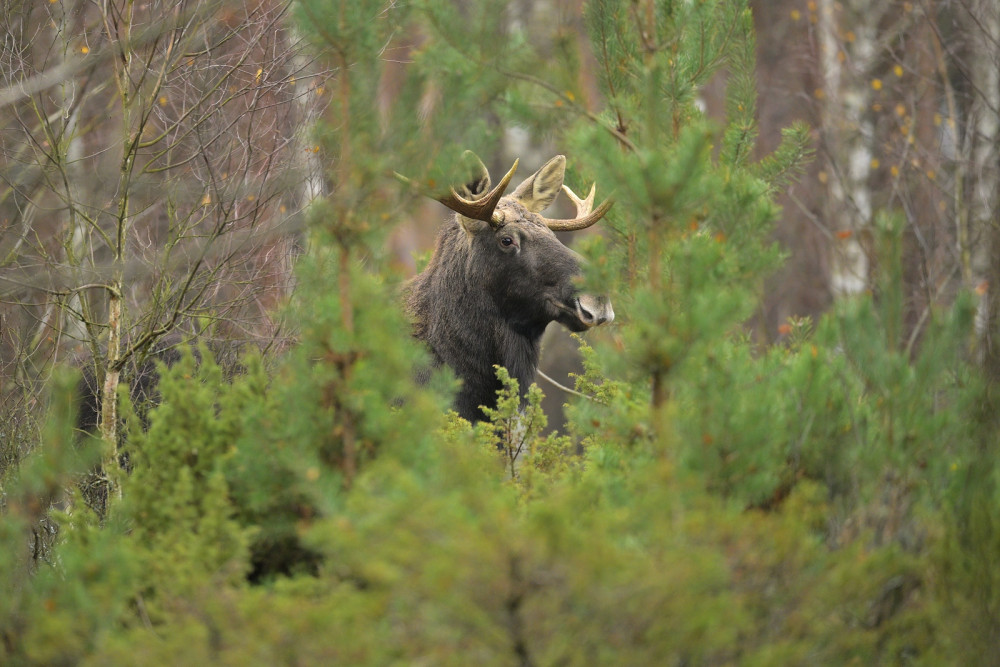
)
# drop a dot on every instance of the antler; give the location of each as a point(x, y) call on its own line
point(482, 208)
point(584, 218)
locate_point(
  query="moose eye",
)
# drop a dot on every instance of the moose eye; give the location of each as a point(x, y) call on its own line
point(507, 241)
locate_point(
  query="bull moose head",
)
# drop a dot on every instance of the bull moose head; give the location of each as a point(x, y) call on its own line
point(498, 277)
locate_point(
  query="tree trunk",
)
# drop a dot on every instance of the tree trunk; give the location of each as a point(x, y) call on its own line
point(847, 131)
point(983, 26)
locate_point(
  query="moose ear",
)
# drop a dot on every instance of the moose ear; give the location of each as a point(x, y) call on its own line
point(541, 188)
point(477, 177)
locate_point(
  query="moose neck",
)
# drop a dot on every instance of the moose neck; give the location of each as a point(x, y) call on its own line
point(468, 326)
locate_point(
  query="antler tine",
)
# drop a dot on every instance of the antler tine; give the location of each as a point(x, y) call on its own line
point(583, 206)
point(584, 217)
point(483, 208)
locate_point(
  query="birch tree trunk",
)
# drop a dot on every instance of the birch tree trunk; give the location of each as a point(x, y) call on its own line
point(847, 132)
point(982, 24)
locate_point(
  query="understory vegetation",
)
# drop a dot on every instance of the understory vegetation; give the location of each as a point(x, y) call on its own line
point(715, 496)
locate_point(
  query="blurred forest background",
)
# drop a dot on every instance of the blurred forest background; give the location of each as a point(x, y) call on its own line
point(784, 451)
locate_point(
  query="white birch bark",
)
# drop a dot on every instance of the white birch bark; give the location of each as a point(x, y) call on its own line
point(983, 28)
point(848, 135)
point(982, 24)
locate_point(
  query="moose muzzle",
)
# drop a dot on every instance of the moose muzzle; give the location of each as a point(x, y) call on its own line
point(593, 311)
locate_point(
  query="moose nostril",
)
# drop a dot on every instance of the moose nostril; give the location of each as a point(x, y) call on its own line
point(593, 311)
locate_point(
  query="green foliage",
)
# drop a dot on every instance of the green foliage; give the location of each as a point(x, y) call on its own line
point(827, 499)
point(54, 603)
point(515, 429)
point(177, 499)
point(968, 583)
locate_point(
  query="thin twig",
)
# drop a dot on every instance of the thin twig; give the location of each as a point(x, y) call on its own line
point(565, 388)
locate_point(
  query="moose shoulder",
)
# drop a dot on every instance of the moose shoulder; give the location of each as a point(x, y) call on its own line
point(498, 277)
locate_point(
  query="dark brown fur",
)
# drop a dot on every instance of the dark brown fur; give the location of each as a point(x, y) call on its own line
point(488, 292)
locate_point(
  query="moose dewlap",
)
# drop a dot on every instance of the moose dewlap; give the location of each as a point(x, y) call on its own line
point(498, 277)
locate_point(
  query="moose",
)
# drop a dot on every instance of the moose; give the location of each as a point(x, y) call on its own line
point(498, 276)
